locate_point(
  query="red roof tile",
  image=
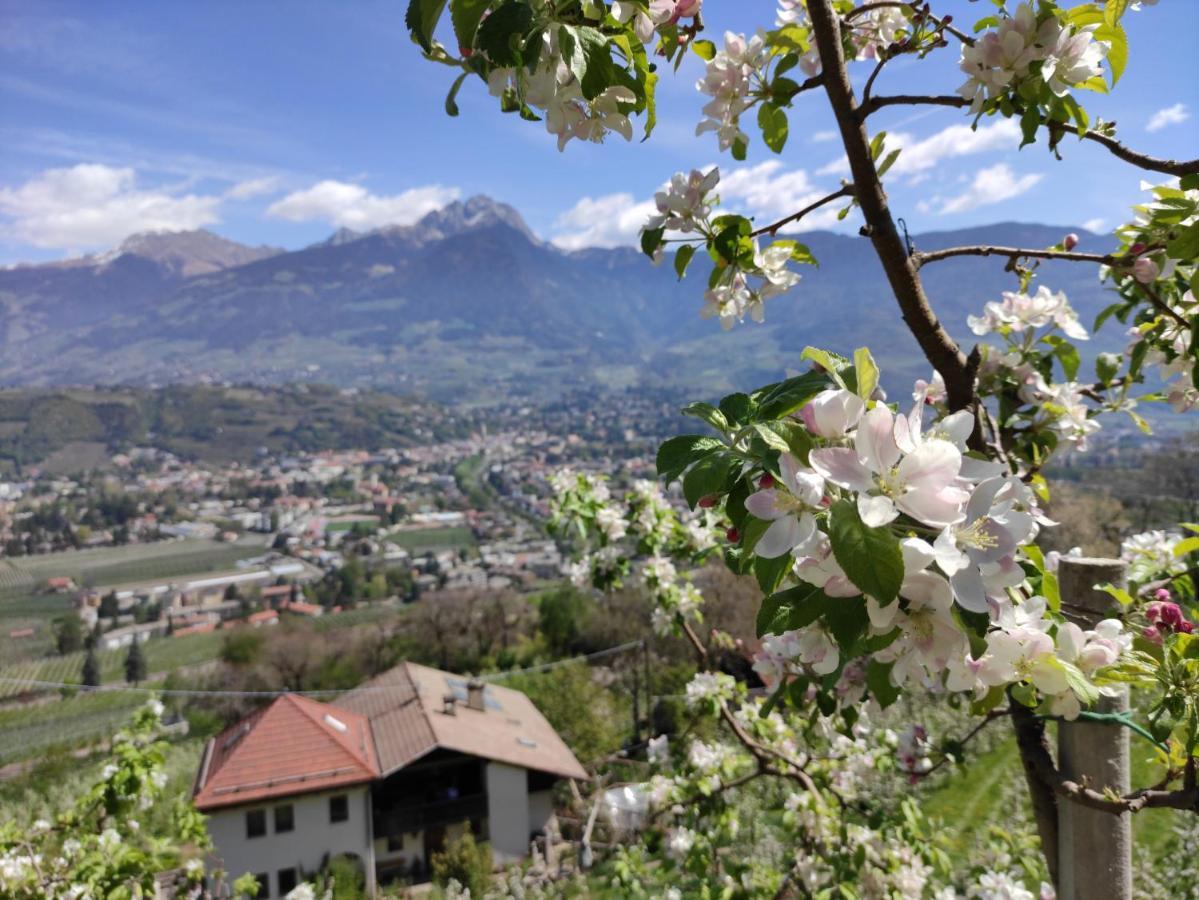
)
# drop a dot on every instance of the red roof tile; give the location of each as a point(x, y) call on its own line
point(294, 746)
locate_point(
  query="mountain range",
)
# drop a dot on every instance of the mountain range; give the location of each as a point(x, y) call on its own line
point(468, 304)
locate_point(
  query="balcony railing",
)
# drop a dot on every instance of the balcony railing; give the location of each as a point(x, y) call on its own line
point(401, 819)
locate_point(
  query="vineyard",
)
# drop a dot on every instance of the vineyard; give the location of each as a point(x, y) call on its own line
point(162, 655)
point(115, 565)
point(79, 720)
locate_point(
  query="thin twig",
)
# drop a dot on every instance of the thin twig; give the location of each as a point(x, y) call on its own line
point(1142, 160)
point(1101, 259)
point(772, 229)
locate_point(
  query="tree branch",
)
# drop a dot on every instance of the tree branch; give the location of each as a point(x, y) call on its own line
point(940, 349)
point(941, 23)
point(1032, 744)
point(846, 191)
point(1018, 253)
point(1142, 160)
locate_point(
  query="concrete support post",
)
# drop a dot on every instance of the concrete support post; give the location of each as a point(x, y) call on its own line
point(1094, 847)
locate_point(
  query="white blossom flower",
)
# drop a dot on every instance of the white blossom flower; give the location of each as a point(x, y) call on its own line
point(832, 413)
point(1019, 311)
point(788, 507)
point(921, 484)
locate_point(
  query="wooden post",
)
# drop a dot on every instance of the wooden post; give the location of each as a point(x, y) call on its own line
point(1094, 847)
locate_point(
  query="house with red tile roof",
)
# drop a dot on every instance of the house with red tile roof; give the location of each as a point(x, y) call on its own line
point(385, 774)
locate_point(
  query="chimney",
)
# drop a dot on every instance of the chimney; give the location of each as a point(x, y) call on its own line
point(474, 694)
point(451, 705)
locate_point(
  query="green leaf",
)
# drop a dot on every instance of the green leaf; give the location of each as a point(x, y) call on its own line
point(1117, 54)
point(870, 557)
point(1087, 692)
point(739, 148)
point(791, 609)
point(866, 371)
point(773, 122)
point(770, 572)
point(708, 476)
point(704, 49)
point(588, 54)
point(451, 99)
point(838, 367)
point(465, 14)
point(708, 413)
point(1186, 546)
point(1050, 591)
point(421, 20)
point(676, 454)
point(787, 396)
point(682, 258)
point(1121, 596)
point(501, 32)
point(1106, 367)
point(878, 679)
point(1067, 354)
point(800, 253)
point(1030, 121)
point(847, 620)
point(736, 408)
point(889, 161)
point(1113, 10)
point(651, 240)
point(1186, 244)
point(877, 143)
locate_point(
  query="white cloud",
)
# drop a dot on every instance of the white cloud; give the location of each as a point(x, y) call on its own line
point(1171, 115)
point(92, 206)
point(253, 187)
point(993, 185)
point(921, 156)
point(352, 206)
point(1095, 225)
point(823, 137)
point(766, 191)
point(613, 220)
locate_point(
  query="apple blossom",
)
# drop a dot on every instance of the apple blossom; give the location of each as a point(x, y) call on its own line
point(832, 413)
point(788, 507)
point(921, 484)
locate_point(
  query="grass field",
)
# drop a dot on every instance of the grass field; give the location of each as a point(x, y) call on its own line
point(115, 565)
point(425, 539)
point(983, 792)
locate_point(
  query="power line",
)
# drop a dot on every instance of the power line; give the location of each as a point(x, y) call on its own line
point(186, 692)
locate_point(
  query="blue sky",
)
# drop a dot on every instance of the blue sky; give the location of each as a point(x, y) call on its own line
point(119, 116)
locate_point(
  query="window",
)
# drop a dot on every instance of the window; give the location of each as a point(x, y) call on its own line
point(264, 884)
point(255, 823)
point(339, 808)
point(395, 842)
point(285, 819)
point(287, 881)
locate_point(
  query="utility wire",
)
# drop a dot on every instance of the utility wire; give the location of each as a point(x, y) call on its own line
point(182, 692)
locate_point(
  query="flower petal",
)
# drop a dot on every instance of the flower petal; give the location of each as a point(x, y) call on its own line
point(876, 511)
point(764, 504)
point(841, 466)
point(779, 538)
point(875, 440)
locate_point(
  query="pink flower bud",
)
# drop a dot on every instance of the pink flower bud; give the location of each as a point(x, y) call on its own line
point(766, 481)
point(1185, 627)
point(1162, 595)
point(1070, 241)
point(733, 535)
point(1136, 249)
point(1145, 270)
point(709, 501)
point(1152, 634)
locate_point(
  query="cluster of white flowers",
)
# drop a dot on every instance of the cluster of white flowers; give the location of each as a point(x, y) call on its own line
point(1021, 648)
point(1020, 311)
point(1171, 353)
point(1150, 556)
point(1020, 48)
point(646, 19)
point(871, 32)
point(1060, 406)
point(555, 92)
point(732, 298)
point(731, 78)
point(980, 515)
point(685, 205)
point(708, 687)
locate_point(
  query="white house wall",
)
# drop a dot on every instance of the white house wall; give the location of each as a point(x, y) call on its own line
point(304, 847)
point(508, 810)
